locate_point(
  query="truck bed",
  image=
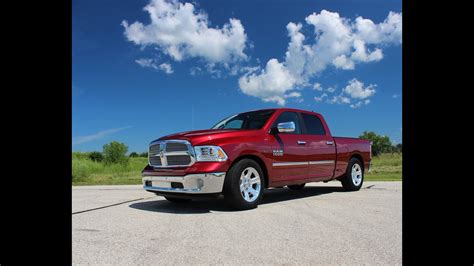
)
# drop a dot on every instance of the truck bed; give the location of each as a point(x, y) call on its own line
point(346, 147)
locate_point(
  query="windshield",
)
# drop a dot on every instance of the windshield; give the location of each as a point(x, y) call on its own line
point(248, 120)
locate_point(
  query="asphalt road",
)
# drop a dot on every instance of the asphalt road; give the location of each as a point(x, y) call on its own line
point(320, 225)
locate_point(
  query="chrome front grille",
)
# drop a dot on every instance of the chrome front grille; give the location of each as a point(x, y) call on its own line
point(155, 161)
point(171, 153)
point(155, 149)
point(176, 146)
point(179, 160)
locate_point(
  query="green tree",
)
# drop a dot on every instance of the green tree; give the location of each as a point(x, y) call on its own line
point(133, 154)
point(115, 152)
point(144, 154)
point(399, 147)
point(96, 156)
point(380, 144)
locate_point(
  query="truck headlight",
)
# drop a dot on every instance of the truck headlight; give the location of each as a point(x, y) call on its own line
point(209, 154)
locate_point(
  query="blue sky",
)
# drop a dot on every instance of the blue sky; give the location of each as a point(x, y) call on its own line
point(135, 79)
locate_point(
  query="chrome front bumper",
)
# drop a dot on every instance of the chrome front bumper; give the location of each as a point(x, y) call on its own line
point(188, 184)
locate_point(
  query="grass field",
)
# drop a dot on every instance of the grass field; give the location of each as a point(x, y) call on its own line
point(386, 167)
point(87, 172)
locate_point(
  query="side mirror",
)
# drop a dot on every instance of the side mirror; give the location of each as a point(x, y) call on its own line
point(286, 127)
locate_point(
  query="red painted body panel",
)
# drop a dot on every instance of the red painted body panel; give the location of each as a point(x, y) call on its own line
point(261, 144)
point(348, 147)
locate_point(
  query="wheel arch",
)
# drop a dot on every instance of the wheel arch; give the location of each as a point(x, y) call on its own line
point(358, 157)
point(258, 160)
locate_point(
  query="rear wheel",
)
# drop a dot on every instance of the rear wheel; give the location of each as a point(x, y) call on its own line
point(354, 176)
point(177, 200)
point(296, 187)
point(244, 184)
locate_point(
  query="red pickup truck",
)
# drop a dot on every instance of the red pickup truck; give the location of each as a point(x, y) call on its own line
point(246, 153)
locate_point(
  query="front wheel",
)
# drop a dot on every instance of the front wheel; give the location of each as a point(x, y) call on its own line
point(354, 176)
point(244, 184)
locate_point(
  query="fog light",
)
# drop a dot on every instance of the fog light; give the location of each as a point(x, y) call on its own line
point(200, 183)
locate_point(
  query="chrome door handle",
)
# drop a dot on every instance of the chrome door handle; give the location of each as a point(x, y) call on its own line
point(329, 142)
point(300, 142)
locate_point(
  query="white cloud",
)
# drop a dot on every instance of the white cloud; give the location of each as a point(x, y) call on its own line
point(389, 31)
point(317, 86)
point(180, 31)
point(357, 90)
point(343, 62)
point(337, 41)
point(395, 96)
point(195, 70)
point(270, 85)
point(360, 53)
point(355, 94)
point(296, 95)
point(147, 62)
point(339, 99)
point(320, 98)
point(152, 63)
point(166, 67)
point(343, 43)
point(98, 135)
point(360, 103)
point(295, 56)
point(247, 69)
point(357, 105)
point(293, 94)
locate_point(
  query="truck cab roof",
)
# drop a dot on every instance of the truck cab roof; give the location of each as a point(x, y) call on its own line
point(288, 109)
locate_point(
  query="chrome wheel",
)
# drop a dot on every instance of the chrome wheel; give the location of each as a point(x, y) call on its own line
point(250, 184)
point(356, 174)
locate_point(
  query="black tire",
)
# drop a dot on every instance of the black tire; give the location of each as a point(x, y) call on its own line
point(232, 193)
point(347, 181)
point(177, 200)
point(296, 187)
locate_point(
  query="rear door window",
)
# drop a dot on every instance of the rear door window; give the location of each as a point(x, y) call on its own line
point(313, 124)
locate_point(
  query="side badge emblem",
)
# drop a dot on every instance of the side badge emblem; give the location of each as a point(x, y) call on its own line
point(277, 152)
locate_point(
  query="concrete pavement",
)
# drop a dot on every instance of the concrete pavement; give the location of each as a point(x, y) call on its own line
point(321, 224)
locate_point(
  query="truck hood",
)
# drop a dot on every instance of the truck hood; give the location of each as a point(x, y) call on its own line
point(197, 137)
